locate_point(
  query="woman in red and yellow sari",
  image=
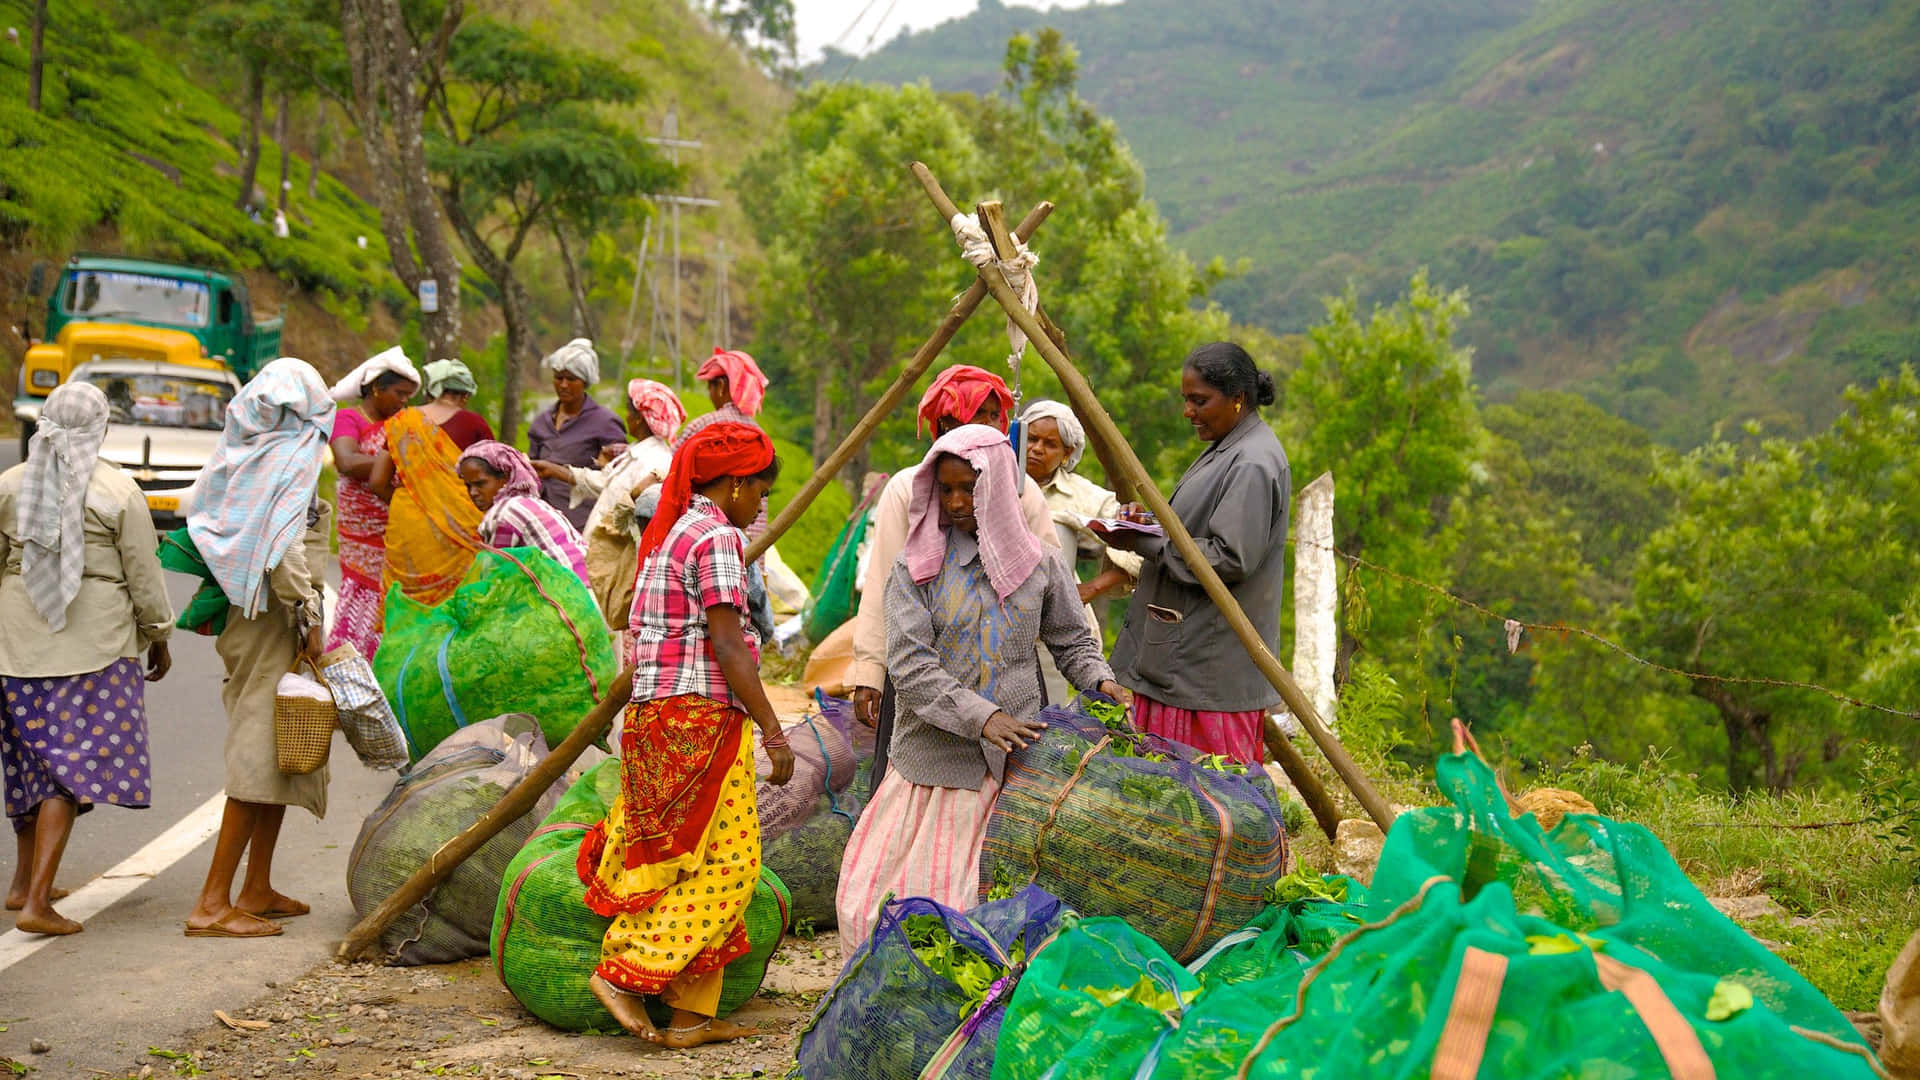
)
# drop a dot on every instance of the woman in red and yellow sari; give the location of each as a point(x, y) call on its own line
point(675, 863)
point(433, 528)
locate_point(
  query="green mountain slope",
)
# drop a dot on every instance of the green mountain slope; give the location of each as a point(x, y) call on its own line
point(1696, 211)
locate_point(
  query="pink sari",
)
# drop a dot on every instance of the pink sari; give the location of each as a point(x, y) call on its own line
point(363, 548)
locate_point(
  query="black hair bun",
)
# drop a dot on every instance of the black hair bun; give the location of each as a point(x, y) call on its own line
point(1264, 393)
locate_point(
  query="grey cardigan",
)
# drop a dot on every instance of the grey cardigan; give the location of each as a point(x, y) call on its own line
point(1234, 500)
point(941, 713)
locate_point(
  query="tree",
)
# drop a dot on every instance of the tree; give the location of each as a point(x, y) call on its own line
point(37, 56)
point(278, 43)
point(763, 29)
point(392, 62)
point(1789, 561)
point(857, 273)
point(519, 146)
point(1384, 402)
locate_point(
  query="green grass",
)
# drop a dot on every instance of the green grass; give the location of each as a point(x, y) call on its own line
point(127, 141)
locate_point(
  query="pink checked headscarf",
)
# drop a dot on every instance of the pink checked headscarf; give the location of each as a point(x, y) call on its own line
point(1007, 550)
point(658, 404)
point(745, 383)
point(508, 462)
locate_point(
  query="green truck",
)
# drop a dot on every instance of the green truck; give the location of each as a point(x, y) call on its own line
point(107, 307)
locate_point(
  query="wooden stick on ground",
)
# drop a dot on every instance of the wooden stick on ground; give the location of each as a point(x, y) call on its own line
point(922, 359)
point(361, 942)
point(1101, 426)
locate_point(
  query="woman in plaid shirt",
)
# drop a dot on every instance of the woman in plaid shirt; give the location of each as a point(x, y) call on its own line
point(675, 863)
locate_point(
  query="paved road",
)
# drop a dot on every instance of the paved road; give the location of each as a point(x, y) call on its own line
point(132, 980)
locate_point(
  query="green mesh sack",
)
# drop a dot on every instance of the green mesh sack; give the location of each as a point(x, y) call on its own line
point(546, 942)
point(832, 599)
point(439, 798)
point(1498, 949)
point(1183, 852)
point(807, 859)
point(1312, 913)
point(1092, 1005)
point(520, 634)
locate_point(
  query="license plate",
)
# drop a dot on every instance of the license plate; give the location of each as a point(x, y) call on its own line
point(163, 504)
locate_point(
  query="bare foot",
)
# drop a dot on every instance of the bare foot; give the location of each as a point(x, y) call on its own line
point(628, 1008)
point(47, 922)
point(18, 901)
point(679, 1038)
point(275, 906)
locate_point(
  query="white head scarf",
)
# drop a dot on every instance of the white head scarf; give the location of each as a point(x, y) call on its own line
point(1072, 435)
point(53, 497)
point(577, 358)
point(351, 388)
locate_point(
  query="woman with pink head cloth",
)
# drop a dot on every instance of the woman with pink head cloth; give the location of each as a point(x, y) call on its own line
point(971, 596)
point(501, 482)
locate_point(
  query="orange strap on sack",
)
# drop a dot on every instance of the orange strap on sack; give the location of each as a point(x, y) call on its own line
point(1476, 994)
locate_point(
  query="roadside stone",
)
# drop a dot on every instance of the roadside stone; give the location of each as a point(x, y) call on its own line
point(272, 984)
point(1356, 849)
point(1748, 908)
point(39, 1046)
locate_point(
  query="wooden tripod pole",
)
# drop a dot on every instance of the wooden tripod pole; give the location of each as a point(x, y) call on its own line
point(1101, 426)
point(360, 941)
point(889, 401)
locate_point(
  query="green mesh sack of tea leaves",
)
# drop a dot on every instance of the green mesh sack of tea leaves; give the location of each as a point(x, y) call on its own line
point(807, 859)
point(521, 634)
point(546, 942)
point(1136, 827)
point(1495, 948)
point(440, 797)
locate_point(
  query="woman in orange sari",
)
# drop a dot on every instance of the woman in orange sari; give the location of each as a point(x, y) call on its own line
point(433, 528)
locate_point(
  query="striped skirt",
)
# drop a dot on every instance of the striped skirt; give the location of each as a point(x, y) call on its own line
point(912, 841)
point(1231, 734)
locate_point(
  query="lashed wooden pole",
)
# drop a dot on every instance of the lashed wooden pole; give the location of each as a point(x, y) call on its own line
point(917, 366)
point(1101, 426)
point(361, 941)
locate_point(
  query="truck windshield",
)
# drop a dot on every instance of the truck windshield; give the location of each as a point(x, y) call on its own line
point(163, 400)
point(116, 294)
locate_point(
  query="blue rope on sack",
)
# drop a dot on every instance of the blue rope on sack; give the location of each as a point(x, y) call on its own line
point(400, 697)
point(833, 804)
point(446, 683)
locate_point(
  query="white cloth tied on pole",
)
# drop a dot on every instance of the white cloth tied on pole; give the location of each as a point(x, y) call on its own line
point(977, 248)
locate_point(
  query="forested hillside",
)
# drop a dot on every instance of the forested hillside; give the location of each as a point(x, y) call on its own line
point(1694, 212)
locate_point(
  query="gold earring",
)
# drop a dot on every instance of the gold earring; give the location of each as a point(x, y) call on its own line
point(1236, 408)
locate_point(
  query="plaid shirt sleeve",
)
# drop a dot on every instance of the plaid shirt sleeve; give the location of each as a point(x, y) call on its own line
point(717, 570)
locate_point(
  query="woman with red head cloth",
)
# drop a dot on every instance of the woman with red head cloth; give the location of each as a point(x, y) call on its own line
point(961, 394)
point(675, 862)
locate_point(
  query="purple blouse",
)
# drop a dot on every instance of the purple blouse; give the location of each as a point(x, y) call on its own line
point(579, 444)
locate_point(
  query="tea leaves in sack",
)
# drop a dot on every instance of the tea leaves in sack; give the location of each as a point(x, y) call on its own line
point(440, 797)
point(520, 634)
point(807, 859)
point(1501, 950)
point(1092, 1006)
point(924, 995)
point(546, 942)
point(1182, 851)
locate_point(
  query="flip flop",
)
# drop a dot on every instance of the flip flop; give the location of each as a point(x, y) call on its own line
point(263, 929)
point(283, 912)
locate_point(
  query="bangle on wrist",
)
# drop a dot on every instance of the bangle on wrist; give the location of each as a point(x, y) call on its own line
point(775, 740)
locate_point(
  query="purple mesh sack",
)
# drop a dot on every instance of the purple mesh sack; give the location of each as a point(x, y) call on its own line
point(823, 763)
point(891, 1016)
point(839, 713)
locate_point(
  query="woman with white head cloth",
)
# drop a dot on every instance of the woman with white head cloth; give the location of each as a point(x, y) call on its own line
point(256, 518)
point(574, 430)
point(81, 597)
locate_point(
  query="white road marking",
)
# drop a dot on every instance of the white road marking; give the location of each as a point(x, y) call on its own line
point(135, 870)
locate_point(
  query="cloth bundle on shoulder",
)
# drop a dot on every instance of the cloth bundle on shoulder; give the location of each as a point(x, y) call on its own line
point(447, 791)
point(546, 942)
point(1494, 949)
point(823, 764)
point(520, 634)
point(1183, 851)
point(898, 1011)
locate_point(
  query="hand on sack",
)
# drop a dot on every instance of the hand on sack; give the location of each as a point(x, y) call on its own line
point(1009, 734)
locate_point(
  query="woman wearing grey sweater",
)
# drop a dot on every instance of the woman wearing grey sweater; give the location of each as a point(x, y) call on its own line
point(1192, 681)
point(970, 597)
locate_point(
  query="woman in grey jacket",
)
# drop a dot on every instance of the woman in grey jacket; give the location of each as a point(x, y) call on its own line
point(1192, 681)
